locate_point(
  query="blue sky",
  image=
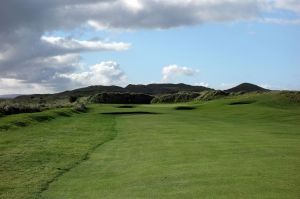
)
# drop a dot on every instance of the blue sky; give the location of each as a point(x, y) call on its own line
point(224, 54)
point(116, 42)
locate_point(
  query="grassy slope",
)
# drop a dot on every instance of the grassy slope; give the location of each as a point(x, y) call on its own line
point(32, 157)
point(214, 151)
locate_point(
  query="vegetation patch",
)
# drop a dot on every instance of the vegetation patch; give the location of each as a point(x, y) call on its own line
point(292, 97)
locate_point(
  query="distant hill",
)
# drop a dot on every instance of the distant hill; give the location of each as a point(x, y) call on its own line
point(11, 96)
point(150, 89)
point(156, 89)
point(246, 87)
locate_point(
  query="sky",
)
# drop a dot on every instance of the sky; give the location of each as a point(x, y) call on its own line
point(55, 45)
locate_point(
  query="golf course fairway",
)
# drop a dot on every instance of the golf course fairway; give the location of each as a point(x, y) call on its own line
point(225, 149)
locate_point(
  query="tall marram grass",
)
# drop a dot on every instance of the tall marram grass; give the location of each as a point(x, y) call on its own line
point(9, 108)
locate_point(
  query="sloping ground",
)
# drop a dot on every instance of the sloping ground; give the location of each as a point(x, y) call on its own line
point(31, 157)
point(28, 119)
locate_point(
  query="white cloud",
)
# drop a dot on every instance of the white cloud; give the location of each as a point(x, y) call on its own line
point(74, 45)
point(224, 86)
point(39, 61)
point(161, 14)
point(134, 5)
point(266, 86)
point(170, 71)
point(14, 86)
point(281, 21)
point(205, 84)
point(104, 73)
point(290, 5)
point(276, 7)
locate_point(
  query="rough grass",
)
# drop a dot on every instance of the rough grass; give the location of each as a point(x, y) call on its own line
point(8, 108)
point(26, 119)
point(213, 151)
point(34, 156)
point(175, 98)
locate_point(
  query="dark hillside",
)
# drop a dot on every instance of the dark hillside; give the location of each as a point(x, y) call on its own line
point(246, 88)
point(151, 89)
point(120, 98)
point(158, 89)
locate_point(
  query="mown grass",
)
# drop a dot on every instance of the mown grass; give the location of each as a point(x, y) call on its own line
point(219, 149)
point(215, 151)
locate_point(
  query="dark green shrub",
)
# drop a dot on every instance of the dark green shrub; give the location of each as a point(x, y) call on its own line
point(72, 98)
point(176, 98)
point(121, 98)
point(210, 95)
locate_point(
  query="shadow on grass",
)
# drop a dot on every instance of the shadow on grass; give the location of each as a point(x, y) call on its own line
point(241, 103)
point(185, 108)
point(126, 106)
point(20, 124)
point(41, 118)
point(130, 113)
point(63, 114)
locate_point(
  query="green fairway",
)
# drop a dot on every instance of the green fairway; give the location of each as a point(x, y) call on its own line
point(246, 147)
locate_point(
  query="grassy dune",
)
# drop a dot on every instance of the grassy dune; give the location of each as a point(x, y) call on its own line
point(240, 147)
